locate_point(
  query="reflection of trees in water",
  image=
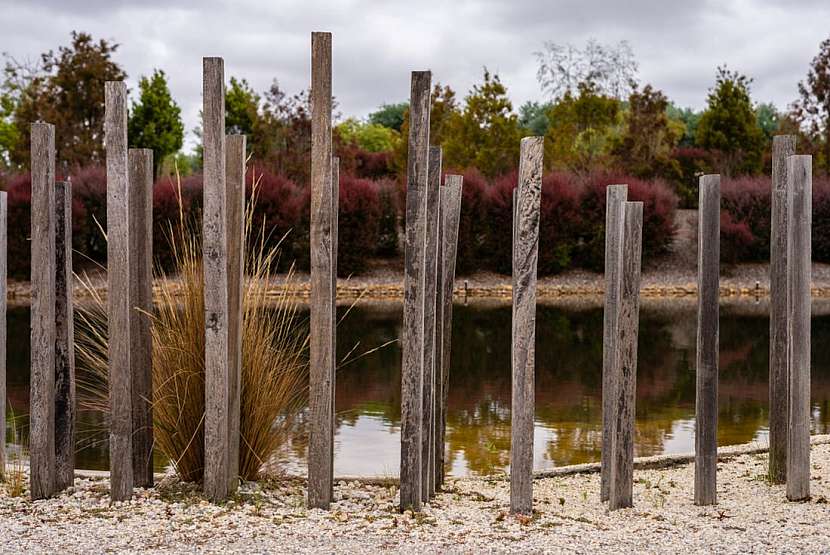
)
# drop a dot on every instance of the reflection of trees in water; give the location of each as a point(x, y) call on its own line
point(568, 379)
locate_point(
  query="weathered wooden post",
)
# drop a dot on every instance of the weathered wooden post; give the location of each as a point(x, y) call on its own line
point(64, 341)
point(3, 335)
point(430, 320)
point(783, 146)
point(412, 337)
point(235, 214)
point(118, 292)
point(615, 197)
point(335, 209)
point(708, 291)
point(215, 263)
point(322, 305)
point(42, 383)
point(141, 307)
point(799, 255)
point(450, 214)
point(525, 255)
point(622, 449)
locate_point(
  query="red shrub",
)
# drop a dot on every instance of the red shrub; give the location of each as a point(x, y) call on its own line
point(166, 213)
point(746, 202)
point(659, 204)
point(278, 205)
point(472, 225)
point(359, 216)
point(821, 219)
point(558, 219)
point(19, 199)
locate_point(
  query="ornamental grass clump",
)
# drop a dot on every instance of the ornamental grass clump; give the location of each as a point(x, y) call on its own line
point(274, 361)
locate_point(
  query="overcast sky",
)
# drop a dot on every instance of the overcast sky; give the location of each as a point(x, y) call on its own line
point(376, 43)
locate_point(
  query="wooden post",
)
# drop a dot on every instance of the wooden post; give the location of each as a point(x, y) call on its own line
point(412, 336)
point(3, 336)
point(335, 208)
point(320, 448)
point(141, 307)
point(799, 254)
point(783, 146)
point(235, 213)
point(525, 255)
point(430, 319)
point(450, 214)
point(615, 197)
point(622, 448)
point(42, 396)
point(215, 263)
point(708, 291)
point(118, 287)
point(64, 341)
point(437, 390)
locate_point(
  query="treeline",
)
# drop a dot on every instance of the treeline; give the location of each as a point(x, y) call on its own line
point(600, 126)
point(596, 117)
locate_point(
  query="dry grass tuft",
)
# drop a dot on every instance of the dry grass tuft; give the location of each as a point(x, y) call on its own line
point(274, 361)
point(13, 476)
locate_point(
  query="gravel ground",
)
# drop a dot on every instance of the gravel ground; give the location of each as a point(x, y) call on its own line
point(471, 516)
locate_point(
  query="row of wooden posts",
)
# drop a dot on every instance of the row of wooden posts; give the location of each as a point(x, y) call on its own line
point(431, 230)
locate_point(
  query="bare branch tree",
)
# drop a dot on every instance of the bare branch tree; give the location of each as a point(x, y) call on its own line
point(610, 69)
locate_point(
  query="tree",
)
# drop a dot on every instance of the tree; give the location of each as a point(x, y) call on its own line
point(812, 109)
point(155, 120)
point(281, 136)
point(486, 133)
point(729, 126)
point(68, 91)
point(768, 119)
point(609, 69)
point(241, 108)
point(442, 108)
point(371, 137)
point(533, 117)
point(8, 131)
point(686, 118)
point(582, 130)
point(390, 115)
point(648, 137)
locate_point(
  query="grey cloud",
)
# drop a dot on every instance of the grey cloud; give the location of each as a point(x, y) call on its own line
point(377, 44)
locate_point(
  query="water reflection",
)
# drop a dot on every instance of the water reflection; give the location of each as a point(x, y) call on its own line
point(568, 381)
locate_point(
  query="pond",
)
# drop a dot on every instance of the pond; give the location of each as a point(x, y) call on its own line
point(568, 382)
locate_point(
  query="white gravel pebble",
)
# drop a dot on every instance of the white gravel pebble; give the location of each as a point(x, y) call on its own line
point(471, 516)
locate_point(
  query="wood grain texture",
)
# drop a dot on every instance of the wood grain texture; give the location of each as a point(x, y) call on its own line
point(615, 197)
point(42, 381)
point(708, 287)
point(335, 209)
point(322, 300)
point(118, 286)
point(430, 320)
point(4, 218)
point(437, 393)
point(622, 448)
point(215, 267)
point(141, 305)
point(64, 341)
point(450, 215)
point(783, 146)
point(235, 213)
point(525, 256)
point(799, 253)
point(412, 333)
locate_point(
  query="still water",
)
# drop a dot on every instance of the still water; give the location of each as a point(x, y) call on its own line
point(568, 381)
